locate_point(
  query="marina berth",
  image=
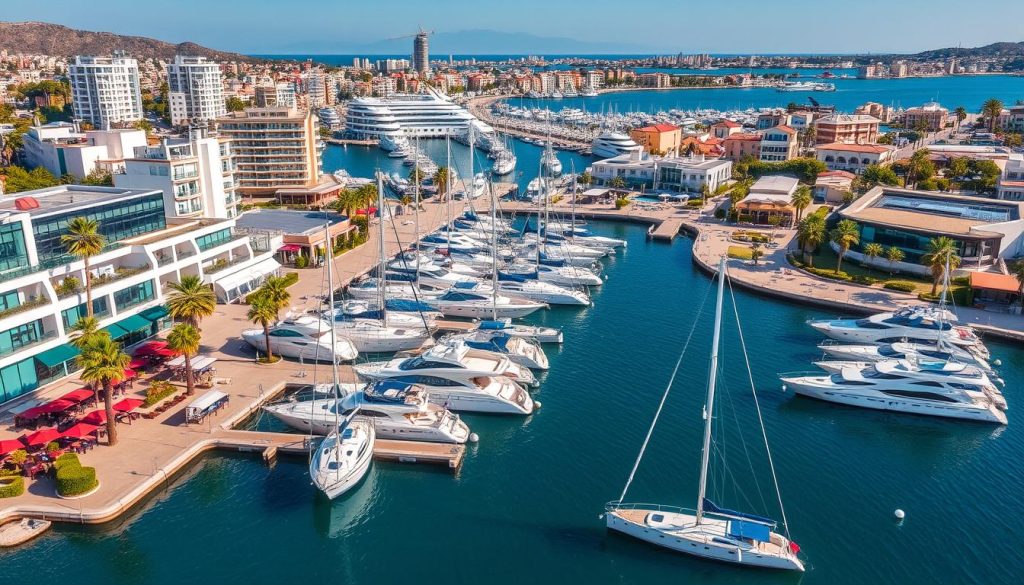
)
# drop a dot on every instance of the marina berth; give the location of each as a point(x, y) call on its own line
point(451, 361)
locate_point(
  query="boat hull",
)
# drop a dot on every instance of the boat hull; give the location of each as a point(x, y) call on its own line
point(383, 428)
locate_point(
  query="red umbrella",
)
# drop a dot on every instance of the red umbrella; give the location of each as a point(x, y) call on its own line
point(149, 348)
point(96, 417)
point(10, 445)
point(32, 413)
point(164, 352)
point(59, 405)
point(41, 437)
point(129, 374)
point(138, 364)
point(80, 431)
point(76, 396)
point(128, 405)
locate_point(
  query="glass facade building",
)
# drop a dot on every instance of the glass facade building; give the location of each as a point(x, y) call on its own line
point(13, 253)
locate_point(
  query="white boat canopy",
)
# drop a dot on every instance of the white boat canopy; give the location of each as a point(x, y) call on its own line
point(235, 285)
point(199, 408)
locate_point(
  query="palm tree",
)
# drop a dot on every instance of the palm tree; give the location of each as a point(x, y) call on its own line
point(262, 312)
point(103, 364)
point(844, 235)
point(921, 167)
point(618, 183)
point(416, 175)
point(1018, 272)
point(756, 252)
point(873, 251)
point(84, 330)
point(801, 199)
point(440, 180)
point(810, 233)
point(275, 290)
point(991, 109)
point(893, 255)
point(84, 241)
point(961, 115)
point(941, 251)
point(190, 300)
point(184, 339)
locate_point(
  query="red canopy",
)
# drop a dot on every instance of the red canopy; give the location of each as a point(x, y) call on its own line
point(129, 374)
point(41, 437)
point(149, 348)
point(164, 352)
point(76, 396)
point(128, 405)
point(10, 445)
point(137, 363)
point(80, 431)
point(290, 248)
point(96, 417)
point(59, 405)
point(32, 413)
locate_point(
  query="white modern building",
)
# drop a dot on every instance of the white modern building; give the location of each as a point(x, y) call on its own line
point(680, 174)
point(63, 150)
point(41, 287)
point(195, 90)
point(105, 90)
point(1011, 182)
point(854, 158)
point(196, 176)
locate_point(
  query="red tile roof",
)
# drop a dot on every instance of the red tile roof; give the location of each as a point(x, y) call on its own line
point(784, 128)
point(728, 124)
point(742, 136)
point(659, 128)
point(993, 281)
point(844, 174)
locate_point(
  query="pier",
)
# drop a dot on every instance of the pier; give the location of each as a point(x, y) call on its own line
point(351, 142)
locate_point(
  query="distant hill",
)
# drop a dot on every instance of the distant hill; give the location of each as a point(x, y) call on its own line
point(54, 39)
point(993, 50)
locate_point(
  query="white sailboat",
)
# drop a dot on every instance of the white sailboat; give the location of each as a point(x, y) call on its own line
point(342, 459)
point(710, 531)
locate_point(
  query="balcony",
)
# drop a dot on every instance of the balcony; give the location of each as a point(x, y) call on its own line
point(39, 301)
point(42, 339)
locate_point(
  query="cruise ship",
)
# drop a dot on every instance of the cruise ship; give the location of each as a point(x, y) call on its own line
point(425, 115)
point(329, 117)
point(610, 144)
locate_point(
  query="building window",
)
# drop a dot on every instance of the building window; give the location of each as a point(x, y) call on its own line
point(100, 308)
point(212, 240)
point(133, 295)
point(17, 379)
point(18, 337)
point(13, 253)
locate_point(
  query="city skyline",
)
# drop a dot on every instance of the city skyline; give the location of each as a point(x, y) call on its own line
point(462, 29)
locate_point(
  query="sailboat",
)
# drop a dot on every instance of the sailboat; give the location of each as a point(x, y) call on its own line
point(342, 459)
point(710, 531)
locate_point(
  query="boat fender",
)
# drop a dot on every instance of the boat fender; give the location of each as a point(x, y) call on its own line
point(537, 404)
point(784, 388)
point(474, 438)
point(997, 363)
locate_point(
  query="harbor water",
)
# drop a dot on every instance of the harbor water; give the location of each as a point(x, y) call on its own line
point(525, 506)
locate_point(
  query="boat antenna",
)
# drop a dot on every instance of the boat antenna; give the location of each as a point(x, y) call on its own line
point(709, 406)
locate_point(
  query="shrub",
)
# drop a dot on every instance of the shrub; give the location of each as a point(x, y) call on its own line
point(52, 446)
point(900, 285)
point(719, 213)
point(157, 391)
point(66, 459)
point(962, 280)
point(829, 273)
point(694, 203)
point(18, 457)
point(68, 286)
point(621, 202)
point(864, 279)
point(74, 480)
point(12, 486)
point(301, 261)
point(741, 252)
point(290, 278)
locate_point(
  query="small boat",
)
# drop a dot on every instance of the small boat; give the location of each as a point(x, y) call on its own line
point(22, 531)
point(342, 459)
point(541, 334)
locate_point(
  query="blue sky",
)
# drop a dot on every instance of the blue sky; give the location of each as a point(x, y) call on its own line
point(611, 26)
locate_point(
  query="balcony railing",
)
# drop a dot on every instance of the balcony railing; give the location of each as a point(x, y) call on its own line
point(42, 339)
point(29, 304)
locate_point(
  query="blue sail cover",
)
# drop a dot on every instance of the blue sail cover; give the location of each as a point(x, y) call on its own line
point(711, 507)
point(508, 277)
point(470, 214)
point(363, 315)
point(498, 343)
point(750, 530)
point(407, 305)
point(493, 325)
point(551, 262)
point(401, 276)
point(464, 285)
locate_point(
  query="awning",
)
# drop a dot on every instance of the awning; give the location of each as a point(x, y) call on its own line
point(128, 405)
point(149, 348)
point(244, 281)
point(56, 356)
point(116, 331)
point(993, 281)
point(79, 431)
point(80, 395)
point(10, 445)
point(41, 437)
point(154, 314)
point(134, 323)
point(96, 417)
point(59, 405)
point(290, 248)
point(749, 530)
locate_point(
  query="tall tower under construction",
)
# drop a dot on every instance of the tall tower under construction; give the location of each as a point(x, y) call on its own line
point(421, 53)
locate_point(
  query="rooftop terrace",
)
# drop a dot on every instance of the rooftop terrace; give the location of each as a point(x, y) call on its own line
point(68, 197)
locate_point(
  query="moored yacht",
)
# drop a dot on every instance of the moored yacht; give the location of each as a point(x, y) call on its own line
point(467, 300)
point(543, 292)
point(304, 338)
point(342, 459)
point(540, 333)
point(927, 324)
point(521, 350)
point(396, 410)
point(903, 350)
point(610, 144)
point(455, 361)
point(504, 162)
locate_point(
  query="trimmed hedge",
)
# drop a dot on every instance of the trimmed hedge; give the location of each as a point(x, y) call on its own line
point(66, 459)
point(900, 285)
point(75, 480)
point(291, 278)
point(829, 273)
point(12, 486)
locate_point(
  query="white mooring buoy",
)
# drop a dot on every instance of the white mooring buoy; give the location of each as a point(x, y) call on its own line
point(899, 514)
point(473, 437)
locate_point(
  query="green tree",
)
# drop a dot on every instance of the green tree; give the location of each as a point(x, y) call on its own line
point(845, 234)
point(893, 255)
point(941, 250)
point(756, 252)
point(958, 167)
point(874, 175)
point(920, 168)
point(263, 312)
point(235, 104)
point(18, 179)
point(84, 241)
point(585, 179)
point(801, 199)
point(440, 180)
point(275, 291)
point(99, 178)
point(873, 251)
point(617, 183)
point(84, 331)
point(810, 233)
point(1018, 272)
point(103, 364)
point(416, 175)
point(961, 115)
point(992, 109)
point(184, 339)
point(190, 300)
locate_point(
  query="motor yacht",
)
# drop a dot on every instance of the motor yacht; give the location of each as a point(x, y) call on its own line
point(377, 336)
point(541, 334)
point(342, 459)
point(901, 350)
point(469, 300)
point(369, 288)
point(504, 163)
point(916, 324)
point(397, 411)
point(521, 286)
point(944, 389)
point(305, 338)
point(560, 275)
point(451, 361)
point(521, 350)
point(611, 144)
point(400, 311)
point(428, 274)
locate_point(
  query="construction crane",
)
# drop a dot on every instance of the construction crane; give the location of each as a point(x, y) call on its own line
point(409, 36)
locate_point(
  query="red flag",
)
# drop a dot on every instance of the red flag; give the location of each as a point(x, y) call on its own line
point(794, 547)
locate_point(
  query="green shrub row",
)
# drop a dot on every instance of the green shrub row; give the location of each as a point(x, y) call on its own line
point(66, 459)
point(290, 278)
point(73, 479)
point(12, 486)
point(900, 285)
point(158, 390)
point(829, 273)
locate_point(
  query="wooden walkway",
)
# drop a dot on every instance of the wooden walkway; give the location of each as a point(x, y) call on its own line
point(668, 229)
point(270, 444)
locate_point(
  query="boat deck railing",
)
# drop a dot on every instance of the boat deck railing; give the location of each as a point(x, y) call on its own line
point(802, 374)
point(613, 505)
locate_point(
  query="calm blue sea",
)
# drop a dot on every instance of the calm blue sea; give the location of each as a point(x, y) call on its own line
point(525, 506)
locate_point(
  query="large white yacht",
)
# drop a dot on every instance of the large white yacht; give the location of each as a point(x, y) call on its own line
point(904, 350)
point(541, 291)
point(397, 411)
point(464, 300)
point(304, 338)
point(427, 115)
point(521, 350)
point(609, 144)
point(455, 361)
point(945, 389)
point(927, 324)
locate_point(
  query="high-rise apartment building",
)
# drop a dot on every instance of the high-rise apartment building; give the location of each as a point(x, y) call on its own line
point(421, 53)
point(274, 148)
point(195, 90)
point(105, 90)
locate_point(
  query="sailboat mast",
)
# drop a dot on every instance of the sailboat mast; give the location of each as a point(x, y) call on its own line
point(709, 407)
point(335, 377)
point(572, 222)
point(416, 211)
point(448, 192)
point(382, 290)
point(494, 252)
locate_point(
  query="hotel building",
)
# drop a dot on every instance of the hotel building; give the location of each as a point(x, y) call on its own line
point(1011, 181)
point(680, 174)
point(659, 138)
point(195, 90)
point(931, 117)
point(62, 150)
point(105, 90)
point(854, 157)
point(274, 148)
point(41, 291)
point(850, 129)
